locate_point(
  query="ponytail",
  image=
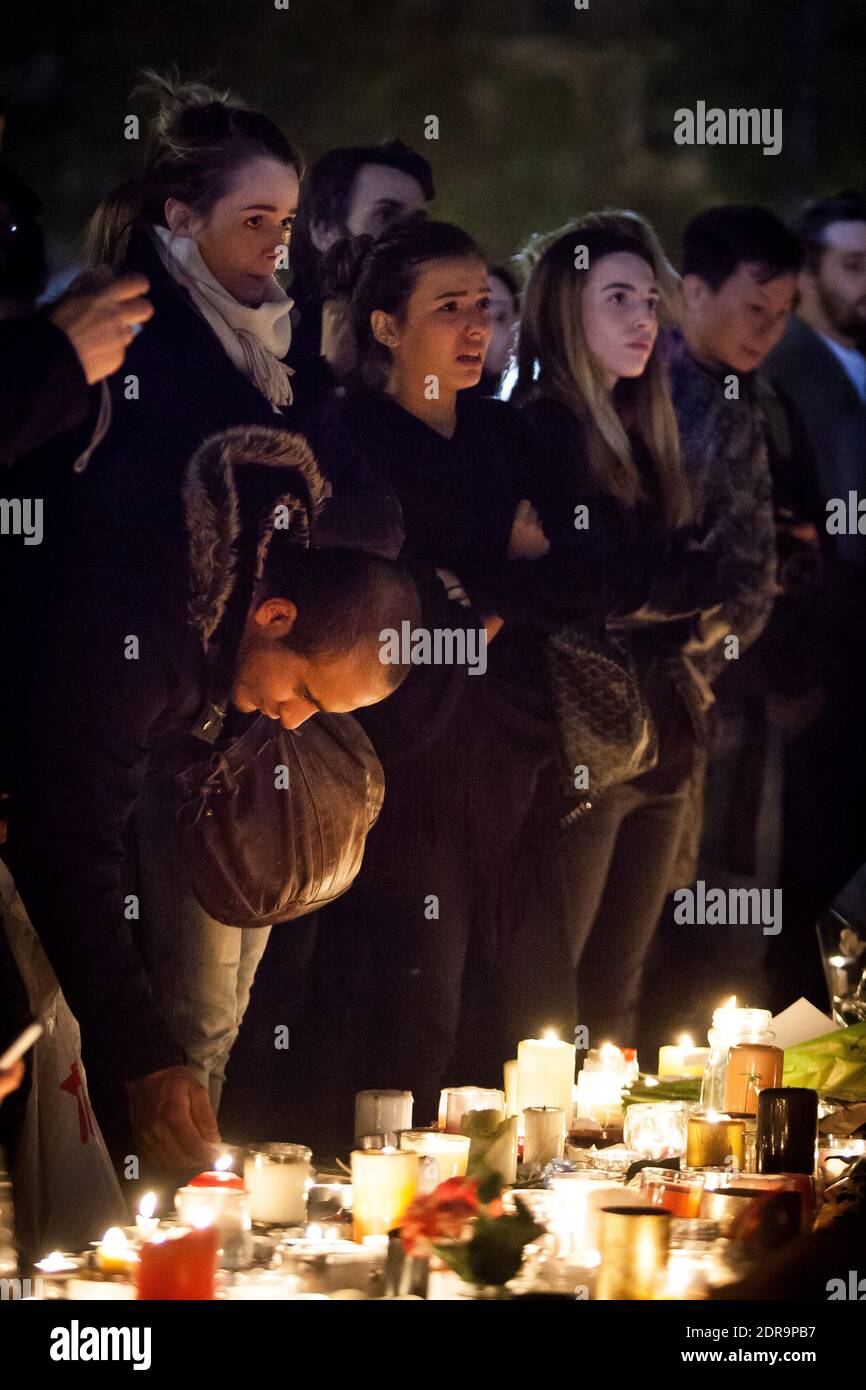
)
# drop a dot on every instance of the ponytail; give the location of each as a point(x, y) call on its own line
point(199, 139)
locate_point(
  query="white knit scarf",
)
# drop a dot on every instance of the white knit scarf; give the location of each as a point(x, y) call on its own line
point(254, 338)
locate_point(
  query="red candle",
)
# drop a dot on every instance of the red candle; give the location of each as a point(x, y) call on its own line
point(178, 1264)
point(217, 1178)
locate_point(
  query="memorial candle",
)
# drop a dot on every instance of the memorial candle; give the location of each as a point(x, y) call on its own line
point(383, 1112)
point(384, 1182)
point(544, 1134)
point(462, 1100)
point(451, 1151)
point(752, 1067)
point(545, 1073)
point(178, 1264)
point(683, 1058)
point(714, 1139)
point(277, 1177)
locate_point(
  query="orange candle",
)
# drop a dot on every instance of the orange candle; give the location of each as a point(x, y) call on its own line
point(178, 1264)
point(752, 1067)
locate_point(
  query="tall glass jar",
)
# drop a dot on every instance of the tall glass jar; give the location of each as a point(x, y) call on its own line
point(731, 1026)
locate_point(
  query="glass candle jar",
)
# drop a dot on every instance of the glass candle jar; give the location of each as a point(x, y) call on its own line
point(277, 1177)
point(731, 1027)
point(677, 1192)
point(657, 1129)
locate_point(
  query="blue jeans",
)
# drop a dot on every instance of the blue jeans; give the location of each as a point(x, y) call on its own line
point(201, 971)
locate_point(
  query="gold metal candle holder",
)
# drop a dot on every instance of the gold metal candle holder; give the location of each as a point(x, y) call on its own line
point(715, 1141)
point(634, 1251)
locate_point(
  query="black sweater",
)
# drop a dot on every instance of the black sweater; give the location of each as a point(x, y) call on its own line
point(459, 497)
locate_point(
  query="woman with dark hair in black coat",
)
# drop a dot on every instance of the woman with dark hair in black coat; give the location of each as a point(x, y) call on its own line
point(457, 906)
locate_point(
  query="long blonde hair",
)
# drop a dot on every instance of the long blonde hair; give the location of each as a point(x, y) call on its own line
point(554, 360)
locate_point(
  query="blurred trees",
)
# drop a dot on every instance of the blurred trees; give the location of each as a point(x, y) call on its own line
point(544, 110)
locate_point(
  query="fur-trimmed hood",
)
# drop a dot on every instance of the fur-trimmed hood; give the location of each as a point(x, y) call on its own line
point(221, 500)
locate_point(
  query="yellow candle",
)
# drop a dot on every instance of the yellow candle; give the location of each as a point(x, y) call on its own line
point(683, 1058)
point(714, 1139)
point(114, 1255)
point(451, 1151)
point(545, 1073)
point(384, 1182)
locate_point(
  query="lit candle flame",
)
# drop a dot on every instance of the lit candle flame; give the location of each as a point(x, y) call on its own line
point(550, 1035)
point(114, 1243)
point(685, 1041)
point(147, 1205)
point(54, 1263)
point(222, 1163)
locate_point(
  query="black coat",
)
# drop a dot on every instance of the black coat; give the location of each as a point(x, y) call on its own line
point(43, 389)
point(85, 722)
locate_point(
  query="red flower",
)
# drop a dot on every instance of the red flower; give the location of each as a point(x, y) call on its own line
point(442, 1214)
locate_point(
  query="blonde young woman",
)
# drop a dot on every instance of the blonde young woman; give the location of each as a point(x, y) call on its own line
point(592, 384)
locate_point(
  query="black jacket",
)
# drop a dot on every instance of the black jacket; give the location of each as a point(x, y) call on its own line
point(43, 389)
point(114, 687)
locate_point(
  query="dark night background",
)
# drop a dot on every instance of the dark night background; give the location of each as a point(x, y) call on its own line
point(544, 111)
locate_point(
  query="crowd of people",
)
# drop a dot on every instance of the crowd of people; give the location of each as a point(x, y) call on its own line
point(238, 492)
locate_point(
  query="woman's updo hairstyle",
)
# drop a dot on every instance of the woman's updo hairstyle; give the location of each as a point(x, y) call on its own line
point(381, 273)
point(199, 139)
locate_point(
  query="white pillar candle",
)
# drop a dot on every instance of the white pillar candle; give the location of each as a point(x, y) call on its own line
point(276, 1177)
point(544, 1134)
point(450, 1151)
point(461, 1100)
point(510, 1083)
point(545, 1073)
point(383, 1112)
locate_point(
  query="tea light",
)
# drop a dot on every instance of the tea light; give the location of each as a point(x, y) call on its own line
point(277, 1177)
point(458, 1101)
point(384, 1182)
point(178, 1264)
point(544, 1134)
point(714, 1139)
point(682, 1058)
point(450, 1151)
point(383, 1112)
point(145, 1222)
point(56, 1270)
point(545, 1073)
point(657, 1129)
point(114, 1254)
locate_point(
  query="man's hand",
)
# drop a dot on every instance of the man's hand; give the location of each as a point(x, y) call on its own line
point(99, 324)
point(10, 1080)
point(172, 1119)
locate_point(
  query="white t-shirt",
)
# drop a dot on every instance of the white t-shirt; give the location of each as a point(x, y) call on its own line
point(854, 363)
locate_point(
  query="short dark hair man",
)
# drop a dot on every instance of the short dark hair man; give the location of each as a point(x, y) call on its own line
point(99, 738)
point(354, 191)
